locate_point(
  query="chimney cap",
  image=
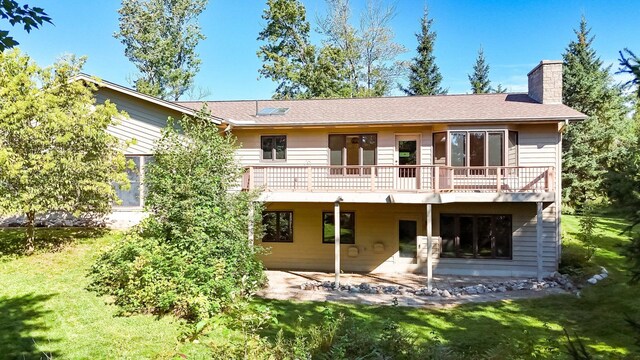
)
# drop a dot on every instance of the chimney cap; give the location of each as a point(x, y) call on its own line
point(545, 62)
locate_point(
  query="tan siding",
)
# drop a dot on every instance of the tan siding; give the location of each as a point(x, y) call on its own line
point(538, 145)
point(144, 123)
point(311, 146)
point(378, 223)
point(524, 248)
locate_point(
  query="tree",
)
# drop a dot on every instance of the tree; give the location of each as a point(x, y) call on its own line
point(289, 59)
point(191, 256)
point(480, 83)
point(30, 18)
point(160, 37)
point(55, 152)
point(368, 54)
point(424, 75)
point(631, 65)
point(591, 148)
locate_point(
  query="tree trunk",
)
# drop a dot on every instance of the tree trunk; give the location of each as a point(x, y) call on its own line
point(31, 234)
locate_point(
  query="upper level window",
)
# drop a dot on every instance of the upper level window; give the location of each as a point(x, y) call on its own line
point(274, 147)
point(475, 148)
point(134, 197)
point(352, 150)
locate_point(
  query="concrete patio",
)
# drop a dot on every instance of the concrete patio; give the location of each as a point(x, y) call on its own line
point(286, 285)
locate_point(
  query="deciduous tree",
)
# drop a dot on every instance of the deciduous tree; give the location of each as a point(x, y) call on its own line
point(369, 52)
point(30, 18)
point(160, 37)
point(192, 257)
point(424, 74)
point(55, 152)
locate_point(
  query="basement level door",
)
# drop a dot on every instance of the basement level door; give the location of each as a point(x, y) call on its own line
point(407, 239)
point(407, 154)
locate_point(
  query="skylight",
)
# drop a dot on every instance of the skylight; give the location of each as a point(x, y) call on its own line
point(272, 111)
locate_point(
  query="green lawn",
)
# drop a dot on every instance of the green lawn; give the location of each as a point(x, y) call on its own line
point(45, 309)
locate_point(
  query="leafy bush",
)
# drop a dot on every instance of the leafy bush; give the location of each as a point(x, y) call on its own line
point(336, 337)
point(191, 256)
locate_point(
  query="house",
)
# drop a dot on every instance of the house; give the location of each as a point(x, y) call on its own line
point(449, 184)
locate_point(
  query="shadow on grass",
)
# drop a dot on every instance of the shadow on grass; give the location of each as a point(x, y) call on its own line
point(21, 327)
point(13, 240)
point(506, 329)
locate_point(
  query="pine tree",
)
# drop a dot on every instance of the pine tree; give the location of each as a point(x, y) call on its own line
point(591, 148)
point(424, 74)
point(480, 83)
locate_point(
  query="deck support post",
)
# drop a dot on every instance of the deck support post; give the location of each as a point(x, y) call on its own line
point(251, 223)
point(429, 248)
point(336, 238)
point(539, 229)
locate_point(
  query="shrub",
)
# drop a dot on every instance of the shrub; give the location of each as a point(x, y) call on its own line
point(337, 336)
point(191, 256)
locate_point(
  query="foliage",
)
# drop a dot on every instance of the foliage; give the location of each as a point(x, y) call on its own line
point(160, 37)
point(576, 349)
point(350, 62)
point(630, 65)
point(590, 148)
point(369, 52)
point(300, 69)
point(587, 233)
point(336, 336)
point(55, 152)
point(480, 83)
point(424, 74)
point(191, 256)
point(30, 18)
point(46, 309)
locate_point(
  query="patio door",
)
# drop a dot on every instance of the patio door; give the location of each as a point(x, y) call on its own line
point(407, 154)
point(407, 240)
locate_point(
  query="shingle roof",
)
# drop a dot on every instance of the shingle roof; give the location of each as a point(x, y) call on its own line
point(405, 109)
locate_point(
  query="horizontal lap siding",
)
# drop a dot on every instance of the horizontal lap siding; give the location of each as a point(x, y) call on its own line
point(378, 223)
point(374, 223)
point(311, 146)
point(524, 260)
point(144, 123)
point(538, 145)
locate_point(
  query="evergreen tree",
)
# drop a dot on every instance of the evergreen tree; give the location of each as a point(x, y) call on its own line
point(160, 37)
point(480, 83)
point(424, 75)
point(591, 148)
point(630, 64)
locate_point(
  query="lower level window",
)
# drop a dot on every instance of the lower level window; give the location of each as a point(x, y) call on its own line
point(476, 236)
point(134, 197)
point(277, 226)
point(347, 228)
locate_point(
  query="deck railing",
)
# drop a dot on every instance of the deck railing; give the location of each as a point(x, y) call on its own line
point(415, 178)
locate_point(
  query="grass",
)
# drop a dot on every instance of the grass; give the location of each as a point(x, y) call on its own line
point(597, 315)
point(47, 311)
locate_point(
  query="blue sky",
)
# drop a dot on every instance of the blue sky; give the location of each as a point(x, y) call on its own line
point(515, 36)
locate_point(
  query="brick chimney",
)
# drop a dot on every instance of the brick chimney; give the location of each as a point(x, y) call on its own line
point(545, 82)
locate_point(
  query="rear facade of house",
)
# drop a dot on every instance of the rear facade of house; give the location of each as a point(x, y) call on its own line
point(475, 176)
